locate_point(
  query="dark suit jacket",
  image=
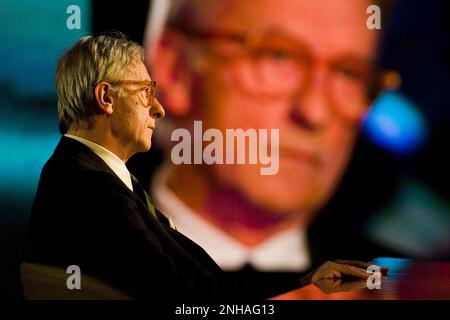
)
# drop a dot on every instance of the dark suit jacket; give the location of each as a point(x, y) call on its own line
point(84, 215)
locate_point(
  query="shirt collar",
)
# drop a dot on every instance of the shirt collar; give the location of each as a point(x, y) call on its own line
point(284, 251)
point(113, 161)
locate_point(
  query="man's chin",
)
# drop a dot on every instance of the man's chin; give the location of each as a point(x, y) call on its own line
point(145, 146)
point(283, 200)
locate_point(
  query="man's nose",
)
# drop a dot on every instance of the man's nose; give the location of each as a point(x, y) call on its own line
point(157, 110)
point(311, 106)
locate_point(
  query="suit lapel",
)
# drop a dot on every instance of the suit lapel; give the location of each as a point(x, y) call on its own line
point(170, 239)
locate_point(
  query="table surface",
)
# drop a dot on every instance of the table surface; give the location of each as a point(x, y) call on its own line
point(406, 280)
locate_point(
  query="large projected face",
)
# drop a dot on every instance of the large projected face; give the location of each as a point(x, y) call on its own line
point(298, 66)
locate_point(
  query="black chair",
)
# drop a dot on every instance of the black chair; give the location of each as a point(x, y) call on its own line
point(43, 282)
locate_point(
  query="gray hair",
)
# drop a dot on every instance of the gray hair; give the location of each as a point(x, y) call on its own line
point(88, 62)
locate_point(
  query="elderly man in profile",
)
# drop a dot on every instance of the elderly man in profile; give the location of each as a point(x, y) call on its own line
point(91, 212)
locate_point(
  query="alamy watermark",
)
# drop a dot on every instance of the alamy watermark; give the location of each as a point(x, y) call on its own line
point(374, 280)
point(73, 21)
point(74, 280)
point(374, 20)
point(237, 146)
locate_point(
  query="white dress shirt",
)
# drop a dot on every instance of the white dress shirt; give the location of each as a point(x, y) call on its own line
point(285, 251)
point(113, 161)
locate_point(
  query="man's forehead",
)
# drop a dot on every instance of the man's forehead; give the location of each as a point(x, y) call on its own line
point(137, 71)
point(327, 24)
point(214, 11)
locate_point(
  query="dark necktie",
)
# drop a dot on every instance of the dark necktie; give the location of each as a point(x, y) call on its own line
point(140, 191)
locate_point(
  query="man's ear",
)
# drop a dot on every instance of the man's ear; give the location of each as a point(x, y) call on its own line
point(104, 98)
point(170, 68)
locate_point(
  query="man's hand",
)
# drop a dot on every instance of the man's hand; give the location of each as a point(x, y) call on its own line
point(339, 276)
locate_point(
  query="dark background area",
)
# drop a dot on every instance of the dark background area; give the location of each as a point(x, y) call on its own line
point(129, 19)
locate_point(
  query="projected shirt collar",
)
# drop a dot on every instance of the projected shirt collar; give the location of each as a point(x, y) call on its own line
point(285, 251)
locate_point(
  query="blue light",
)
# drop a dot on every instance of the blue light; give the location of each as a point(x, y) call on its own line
point(395, 124)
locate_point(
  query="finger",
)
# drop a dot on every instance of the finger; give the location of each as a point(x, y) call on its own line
point(327, 271)
point(352, 271)
point(330, 286)
point(361, 264)
point(353, 285)
point(355, 263)
point(334, 270)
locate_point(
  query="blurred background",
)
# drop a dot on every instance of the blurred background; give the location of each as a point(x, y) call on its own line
point(398, 176)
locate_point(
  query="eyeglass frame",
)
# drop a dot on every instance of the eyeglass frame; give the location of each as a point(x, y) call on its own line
point(150, 83)
point(374, 80)
point(378, 79)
